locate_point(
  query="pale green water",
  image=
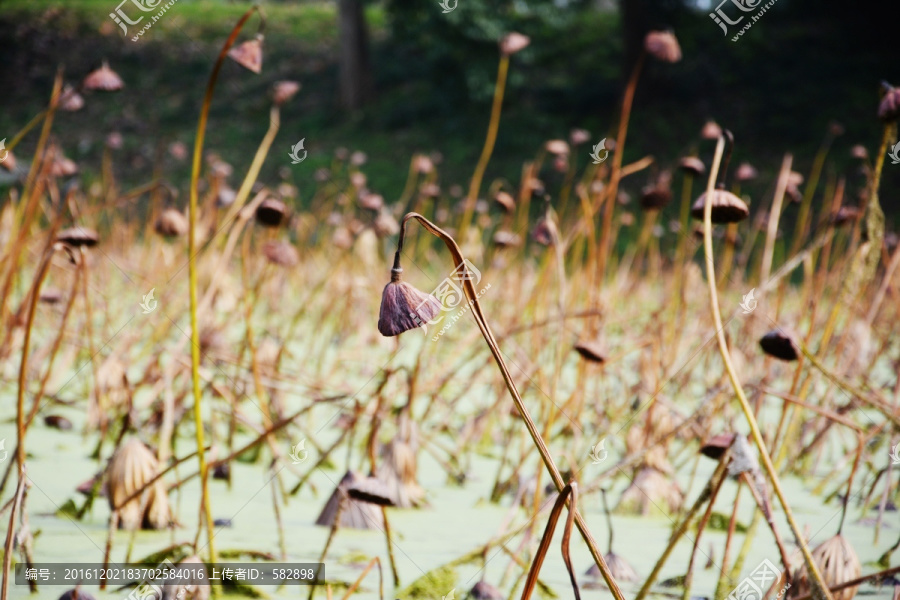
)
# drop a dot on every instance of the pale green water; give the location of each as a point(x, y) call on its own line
point(457, 521)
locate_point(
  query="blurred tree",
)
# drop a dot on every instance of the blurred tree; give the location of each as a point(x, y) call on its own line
point(355, 73)
point(458, 38)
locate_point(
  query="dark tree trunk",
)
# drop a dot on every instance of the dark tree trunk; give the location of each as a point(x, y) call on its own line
point(355, 74)
point(635, 24)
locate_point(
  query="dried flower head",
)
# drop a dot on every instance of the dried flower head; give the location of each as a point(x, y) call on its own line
point(663, 45)
point(838, 563)
point(711, 131)
point(61, 166)
point(104, 79)
point(423, 164)
point(283, 91)
point(70, 100)
point(889, 107)
point(403, 307)
point(178, 150)
point(726, 207)
point(579, 136)
point(171, 223)
point(592, 351)
point(558, 147)
point(659, 194)
point(505, 200)
point(430, 190)
point(716, 446)
point(859, 151)
point(78, 236)
point(485, 591)
point(249, 54)
point(386, 225)
point(282, 254)
point(545, 232)
point(371, 490)
point(618, 568)
point(371, 201)
point(271, 212)
point(745, 172)
point(781, 344)
point(692, 165)
point(114, 140)
point(513, 42)
point(845, 215)
point(51, 295)
point(130, 468)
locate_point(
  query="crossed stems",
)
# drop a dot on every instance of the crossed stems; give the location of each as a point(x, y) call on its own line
point(469, 289)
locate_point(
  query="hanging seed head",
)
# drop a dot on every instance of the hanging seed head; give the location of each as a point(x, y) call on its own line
point(271, 212)
point(70, 100)
point(283, 91)
point(281, 253)
point(104, 79)
point(171, 223)
point(711, 131)
point(692, 165)
point(859, 152)
point(513, 42)
point(385, 224)
point(423, 164)
point(716, 446)
point(403, 307)
point(592, 352)
point(249, 54)
point(430, 190)
point(61, 165)
point(837, 562)
point(745, 172)
point(889, 107)
point(358, 158)
point(505, 200)
point(845, 215)
point(557, 147)
point(545, 232)
point(78, 236)
point(371, 201)
point(579, 136)
point(663, 45)
point(781, 344)
point(726, 207)
point(51, 296)
point(658, 195)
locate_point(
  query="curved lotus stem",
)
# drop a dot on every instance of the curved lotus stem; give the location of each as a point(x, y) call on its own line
point(570, 490)
point(469, 289)
point(820, 590)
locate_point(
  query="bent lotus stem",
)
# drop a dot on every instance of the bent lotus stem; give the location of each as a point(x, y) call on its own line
point(471, 295)
point(820, 590)
point(570, 490)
